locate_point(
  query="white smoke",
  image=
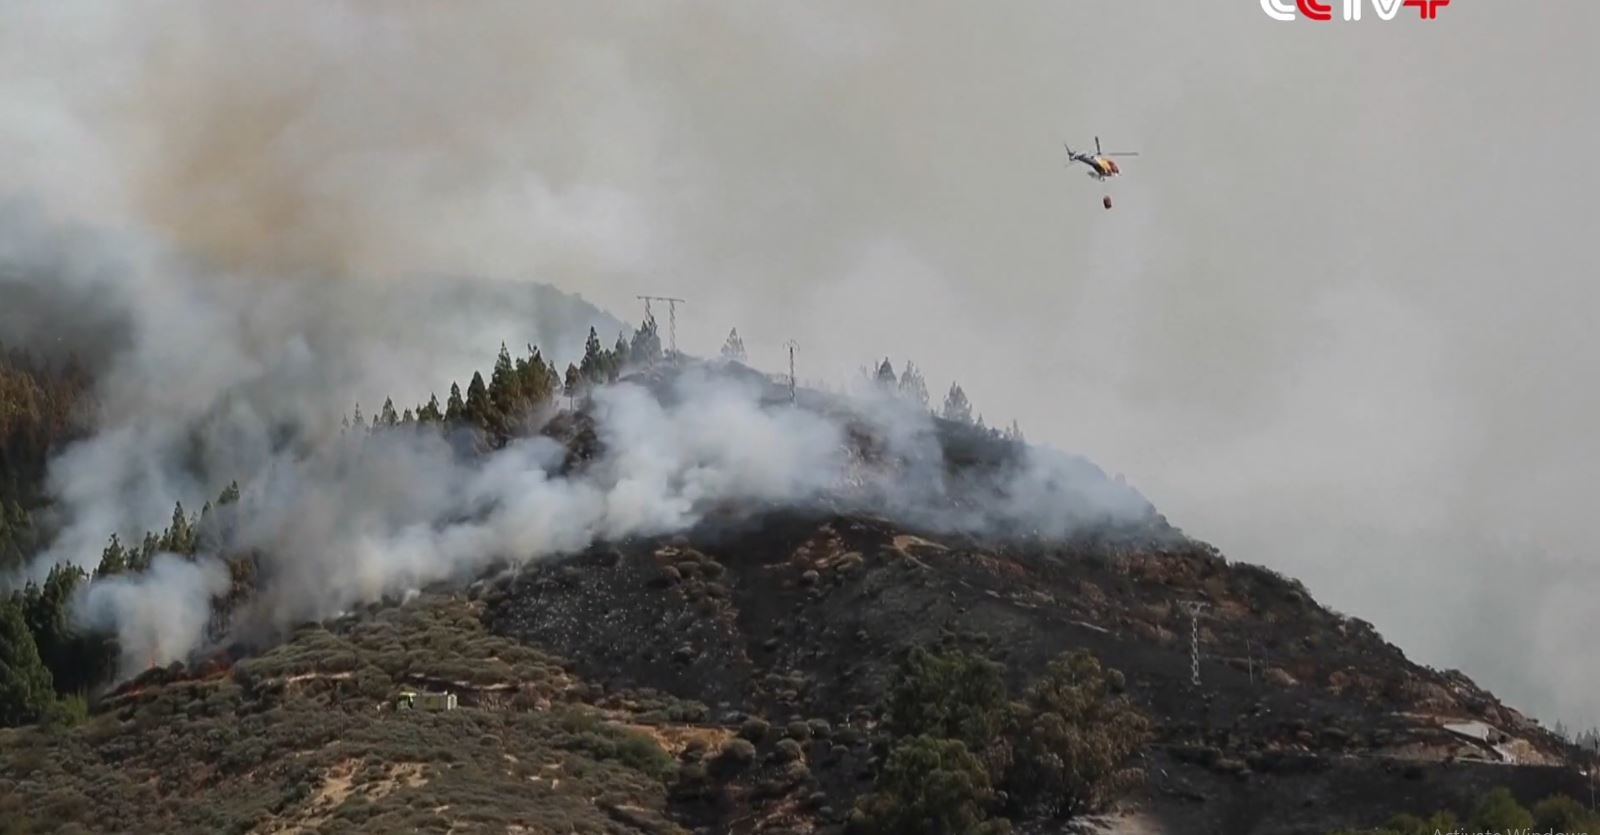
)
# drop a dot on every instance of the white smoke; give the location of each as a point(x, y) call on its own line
point(961, 479)
point(156, 614)
point(206, 374)
point(365, 516)
point(376, 514)
point(226, 378)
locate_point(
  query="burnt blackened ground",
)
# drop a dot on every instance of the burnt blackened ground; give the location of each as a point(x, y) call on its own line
point(1304, 720)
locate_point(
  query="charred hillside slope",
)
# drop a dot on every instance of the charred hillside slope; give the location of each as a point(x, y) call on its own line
point(731, 677)
point(1304, 720)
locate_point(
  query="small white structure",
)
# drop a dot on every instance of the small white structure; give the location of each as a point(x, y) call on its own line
point(413, 700)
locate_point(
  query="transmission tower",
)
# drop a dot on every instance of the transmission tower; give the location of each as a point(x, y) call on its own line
point(791, 345)
point(1194, 608)
point(672, 316)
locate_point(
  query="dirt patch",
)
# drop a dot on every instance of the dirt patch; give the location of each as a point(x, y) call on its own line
point(675, 739)
point(905, 542)
point(401, 775)
point(339, 785)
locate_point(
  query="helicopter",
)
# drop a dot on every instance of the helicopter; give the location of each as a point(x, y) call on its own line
point(1101, 165)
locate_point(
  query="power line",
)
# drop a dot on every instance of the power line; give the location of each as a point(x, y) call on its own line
point(791, 346)
point(1194, 608)
point(672, 316)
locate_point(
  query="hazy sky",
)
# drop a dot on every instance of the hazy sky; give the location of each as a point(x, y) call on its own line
point(1339, 322)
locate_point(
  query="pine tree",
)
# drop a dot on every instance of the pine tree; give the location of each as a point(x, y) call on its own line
point(646, 348)
point(113, 560)
point(46, 609)
point(147, 552)
point(885, 377)
point(25, 685)
point(616, 359)
point(455, 410)
point(593, 365)
point(956, 406)
point(360, 422)
point(75, 661)
point(430, 413)
point(17, 534)
point(912, 386)
point(574, 384)
point(179, 537)
point(407, 418)
point(479, 409)
point(10, 552)
point(387, 416)
point(213, 527)
point(733, 349)
point(1014, 432)
point(539, 380)
point(504, 387)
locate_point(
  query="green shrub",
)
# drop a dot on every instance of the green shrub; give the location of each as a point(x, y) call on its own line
point(1500, 812)
point(735, 755)
point(1065, 749)
point(1560, 813)
point(754, 729)
point(641, 753)
point(789, 750)
point(1075, 741)
point(67, 711)
point(930, 786)
point(952, 695)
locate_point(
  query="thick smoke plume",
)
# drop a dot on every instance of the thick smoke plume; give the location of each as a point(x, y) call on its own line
point(157, 615)
point(218, 377)
point(378, 514)
point(203, 373)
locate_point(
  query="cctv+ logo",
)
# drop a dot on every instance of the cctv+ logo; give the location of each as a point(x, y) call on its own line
point(1318, 10)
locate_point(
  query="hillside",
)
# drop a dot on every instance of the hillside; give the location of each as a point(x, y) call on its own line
point(582, 681)
point(303, 739)
point(802, 618)
point(733, 678)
